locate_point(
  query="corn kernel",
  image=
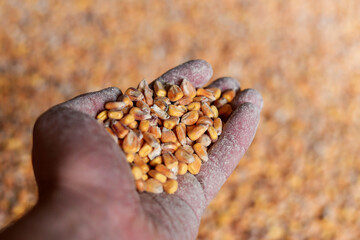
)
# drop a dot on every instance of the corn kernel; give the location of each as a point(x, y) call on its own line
point(165, 171)
point(218, 125)
point(215, 111)
point(204, 140)
point(206, 109)
point(145, 150)
point(229, 95)
point(156, 161)
point(167, 136)
point(190, 118)
point(212, 133)
point(153, 186)
point(159, 89)
point(170, 186)
point(181, 133)
point(194, 167)
point(120, 129)
point(129, 118)
point(140, 185)
point(215, 91)
point(175, 93)
point(194, 106)
point(171, 122)
point(146, 91)
point(102, 115)
point(169, 160)
point(125, 98)
point(131, 143)
point(187, 88)
point(182, 168)
point(176, 111)
point(115, 114)
point(130, 157)
point(158, 176)
point(144, 125)
point(155, 131)
point(201, 151)
point(134, 94)
point(137, 172)
point(115, 105)
point(195, 133)
point(225, 110)
point(205, 121)
point(182, 155)
point(205, 93)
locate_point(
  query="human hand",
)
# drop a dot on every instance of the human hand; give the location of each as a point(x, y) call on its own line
point(87, 191)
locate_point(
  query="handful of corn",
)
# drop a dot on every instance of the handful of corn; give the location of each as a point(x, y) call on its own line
point(165, 130)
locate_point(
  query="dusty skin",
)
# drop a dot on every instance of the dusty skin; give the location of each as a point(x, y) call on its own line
point(86, 190)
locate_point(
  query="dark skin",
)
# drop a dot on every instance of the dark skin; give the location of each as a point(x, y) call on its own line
point(86, 190)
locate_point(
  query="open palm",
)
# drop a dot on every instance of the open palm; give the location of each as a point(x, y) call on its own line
point(86, 190)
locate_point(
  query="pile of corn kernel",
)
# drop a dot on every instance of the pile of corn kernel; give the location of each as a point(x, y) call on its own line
point(166, 130)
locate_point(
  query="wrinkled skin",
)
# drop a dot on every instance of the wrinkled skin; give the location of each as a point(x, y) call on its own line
point(86, 190)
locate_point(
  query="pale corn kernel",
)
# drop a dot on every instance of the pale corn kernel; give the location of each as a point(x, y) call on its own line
point(187, 88)
point(120, 129)
point(165, 99)
point(159, 112)
point(201, 151)
point(126, 110)
point(200, 99)
point(182, 168)
point(137, 172)
point(181, 133)
point(184, 101)
point(155, 152)
point(159, 89)
point(170, 186)
point(131, 143)
point(155, 131)
point(216, 92)
point(144, 125)
point(138, 134)
point(171, 122)
point(150, 139)
point(189, 148)
point(153, 186)
point(112, 134)
point(206, 109)
point(162, 104)
point(146, 91)
point(165, 171)
point(133, 125)
point(139, 114)
point(220, 102)
point(155, 161)
point(182, 155)
point(176, 111)
point(102, 115)
point(125, 98)
point(204, 140)
point(134, 94)
point(177, 143)
point(138, 161)
point(205, 121)
point(126, 120)
point(205, 93)
point(197, 131)
point(194, 106)
point(169, 160)
point(143, 106)
point(130, 157)
point(115, 114)
point(140, 185)
point(145, 177)
point(145, 150)
point(218, 125)
point(175, 93)
point(174, 170)
point(189, 141)
point(215, 111)
point(229, 95)
point(145, 159)
point(107, 122)
point(167, 136)
point(168, 147)
point(158, 176)
point(115, 105)
point(225, 110)
point(212, 134)
point(190, 118)
point(194, 167)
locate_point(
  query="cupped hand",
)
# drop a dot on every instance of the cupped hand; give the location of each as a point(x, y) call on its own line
point(86, 190)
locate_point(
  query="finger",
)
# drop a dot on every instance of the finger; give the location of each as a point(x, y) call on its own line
point(92, 103)
point(71, 150)
point(248, 95)
point(226, 83)
point(198, 72)
point(225, 154)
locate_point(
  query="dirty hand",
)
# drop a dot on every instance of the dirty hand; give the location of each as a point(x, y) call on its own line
point(86, 190)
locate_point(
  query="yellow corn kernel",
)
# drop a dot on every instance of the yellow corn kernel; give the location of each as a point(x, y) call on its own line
point(150, 139)
point(175, 93)
point(134, 94)
point(194, 167)
point(189, 148)
point(145, 159)
point(137, 172)
point(167, 136)
point(182, 155)
point(184, 101)
point(182, 168)
point(169, 147)
point(218, 125)
point(133, 125)
point(181, 133)
point(171, 122)
point(153, 186)
point(158, 176)
point(146, 91)
point(139, 114)
point(216, 92)
point(129, 118)
point(212, 133)
point(140, 185)
point(170, 161)
point(155, 161)
point(130, 157)
point(115, 105)
point(206, 109)
point(115, 114)
point(194, 106)
point(125, 98)
point(190, 118)
point(144, 125)
point(229, 95)
point(201, 151)
point(131, 143)
point(215, 111)
point(189, 128)
point(145, 150)
point(165, 171)
point(120, 129)
point(176, 111)
point(145, 177)
point(205, 93)
point(159, 89)
point(196, 132)
point(155, 131)
point(138, 161)
point(205, 121)
point(220, 102)
point(188, 89)
point(225, 110)
point(204, 140)
point(102, 115)
point(170, 186)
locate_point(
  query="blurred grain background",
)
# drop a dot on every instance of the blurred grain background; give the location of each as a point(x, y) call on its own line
point(299, 180)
